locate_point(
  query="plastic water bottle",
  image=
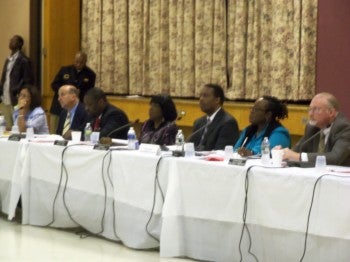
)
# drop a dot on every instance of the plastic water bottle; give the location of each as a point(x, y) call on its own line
point(2, 125)
point(265, 151)
point(87, 132)
point(179, 140)
point(132, 141)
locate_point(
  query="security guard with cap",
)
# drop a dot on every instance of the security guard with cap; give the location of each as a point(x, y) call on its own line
point(79, 75)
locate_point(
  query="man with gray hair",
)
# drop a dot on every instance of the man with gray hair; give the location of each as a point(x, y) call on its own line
point(73, 116)
point(327, 133)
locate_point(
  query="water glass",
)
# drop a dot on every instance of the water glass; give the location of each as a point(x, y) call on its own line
point(320, 161)
point(189, 150)
point(228, 152)
point(95, 137)
point(2, 130)
point(76, 136)
point(29, 133)
point(14, 130)
point(277, 157)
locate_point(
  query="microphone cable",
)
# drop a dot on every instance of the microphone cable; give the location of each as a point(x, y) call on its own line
point(84, 235)
point(59, 186)
point(113, 200)
point(63, 168)
point(310, 209)
point(244, 216)
point(156, 182)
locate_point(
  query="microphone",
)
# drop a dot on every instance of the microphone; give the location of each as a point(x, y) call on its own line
point(178, 118)
point(197, 131)
point(309, 139)
point(123, 127)
point(180, 114)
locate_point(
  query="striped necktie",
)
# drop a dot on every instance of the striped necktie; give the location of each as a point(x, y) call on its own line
point(321, 143)
point(66, 125)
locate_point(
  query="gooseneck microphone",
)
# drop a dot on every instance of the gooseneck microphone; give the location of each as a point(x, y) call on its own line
point(313, 136)
point(198, 130)
point(123, 127)
point(309, 139)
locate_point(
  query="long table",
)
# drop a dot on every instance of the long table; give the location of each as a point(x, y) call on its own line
point(195, 208)
point(203, 213)
point(97, 190)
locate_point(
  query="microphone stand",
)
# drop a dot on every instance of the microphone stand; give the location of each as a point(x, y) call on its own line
point(309, 139)
point(123, 127)
point(106, 142)
point(197, 131)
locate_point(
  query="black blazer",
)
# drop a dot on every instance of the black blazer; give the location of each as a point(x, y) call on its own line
point(111, 119)
point(21, 74)
point(337, 148)
point(68, 75)
point(79, 120)
point(222, 131)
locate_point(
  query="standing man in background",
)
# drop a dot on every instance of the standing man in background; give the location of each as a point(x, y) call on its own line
point(79, 75)
point(16, 72)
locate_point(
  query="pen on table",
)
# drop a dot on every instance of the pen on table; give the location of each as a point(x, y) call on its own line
point(245, 141)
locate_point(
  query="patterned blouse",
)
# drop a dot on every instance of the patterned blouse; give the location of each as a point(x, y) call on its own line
point(163, 135)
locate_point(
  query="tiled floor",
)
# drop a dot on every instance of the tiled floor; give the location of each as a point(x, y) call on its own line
point(29, 243)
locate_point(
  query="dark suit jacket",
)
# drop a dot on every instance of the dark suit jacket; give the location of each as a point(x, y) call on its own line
point(337, 149)
point(111, 119)
point(79, 120)
point(21, 74)
point(68, 75)
point(222, 131)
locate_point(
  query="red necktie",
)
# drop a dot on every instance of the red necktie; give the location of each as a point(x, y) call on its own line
point(97, 124)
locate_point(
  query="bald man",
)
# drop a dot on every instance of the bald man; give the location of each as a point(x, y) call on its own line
point(73, 116)
point(328, 134)
point(79, 75)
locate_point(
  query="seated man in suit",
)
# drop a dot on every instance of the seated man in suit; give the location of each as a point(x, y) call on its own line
point(217, 128)
point(73, 116)
point(106, 117)
point(327, 133)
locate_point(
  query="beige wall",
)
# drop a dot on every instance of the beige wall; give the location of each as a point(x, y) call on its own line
point(14, 20)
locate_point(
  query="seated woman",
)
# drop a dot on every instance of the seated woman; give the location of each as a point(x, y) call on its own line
point(160, 128)
point(29, 112)
point(264, 118)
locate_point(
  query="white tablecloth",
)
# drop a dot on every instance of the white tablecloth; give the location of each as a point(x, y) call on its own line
point(11, 162)
point(116, 194)
point(86, 195)
point(202, 214)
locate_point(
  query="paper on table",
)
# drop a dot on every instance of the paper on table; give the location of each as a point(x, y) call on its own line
point(338, 169)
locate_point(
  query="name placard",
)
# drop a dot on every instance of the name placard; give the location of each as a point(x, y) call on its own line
point(150, 149)
point(16, 137)
point(60, 142)
point(237, 161)
point(101, 147)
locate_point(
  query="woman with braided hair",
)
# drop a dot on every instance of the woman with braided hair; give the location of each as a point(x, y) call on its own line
point(264, 118)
